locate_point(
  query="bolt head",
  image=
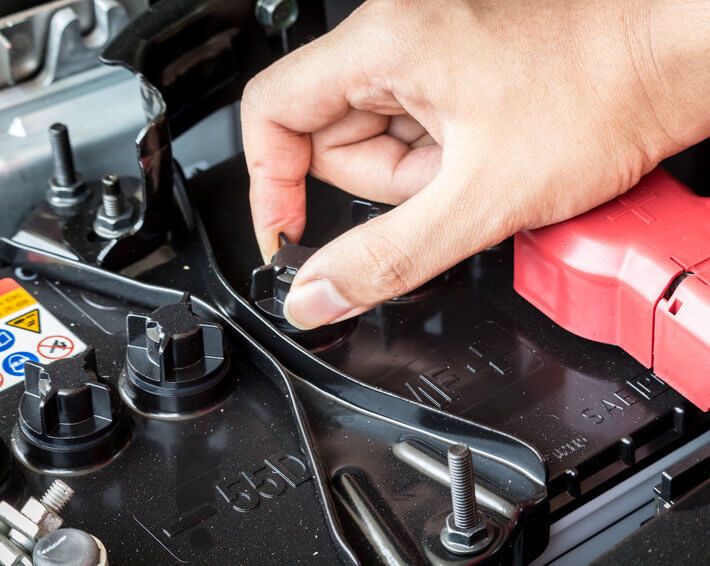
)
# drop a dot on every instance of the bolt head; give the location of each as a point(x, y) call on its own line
point(466, 541)
point(277, 14)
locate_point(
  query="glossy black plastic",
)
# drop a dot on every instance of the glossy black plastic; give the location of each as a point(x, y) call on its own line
point(176, 364)
point(69, 418)
point(11, 480)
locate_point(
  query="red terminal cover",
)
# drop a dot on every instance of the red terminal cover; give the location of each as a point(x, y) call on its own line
point(634, 272)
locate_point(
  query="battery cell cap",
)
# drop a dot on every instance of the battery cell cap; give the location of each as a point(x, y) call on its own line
point(69, 418)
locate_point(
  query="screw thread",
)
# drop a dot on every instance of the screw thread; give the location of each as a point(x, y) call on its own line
point(57, 496)
point(112, 197)
point(62, 157)
point(463, 494)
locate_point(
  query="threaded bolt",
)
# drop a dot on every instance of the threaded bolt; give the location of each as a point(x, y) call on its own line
point(112, 196)
point(57, 496)
point(463, 494)
point(62, 156)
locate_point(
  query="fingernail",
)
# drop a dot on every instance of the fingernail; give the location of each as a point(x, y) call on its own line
point(314, 304)
point(267, 253)
point(268, 246)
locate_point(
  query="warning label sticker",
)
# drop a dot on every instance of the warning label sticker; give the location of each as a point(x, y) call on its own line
point(29, 332)
point(28, 321)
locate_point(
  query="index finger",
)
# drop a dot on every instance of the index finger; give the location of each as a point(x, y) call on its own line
point(300, 94)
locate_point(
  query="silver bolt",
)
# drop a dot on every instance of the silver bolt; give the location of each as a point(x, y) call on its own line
point(465, 530)
point(276, 14)
point(112, 197)
point(62, 156)
point(114, 217)
point(463, 494)
point(57, 496)
point(66, 189)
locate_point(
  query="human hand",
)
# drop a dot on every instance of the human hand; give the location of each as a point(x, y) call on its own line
point(478, 118)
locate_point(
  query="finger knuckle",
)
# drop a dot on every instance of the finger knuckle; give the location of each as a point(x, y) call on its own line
point(253, 91)
point(389, 270)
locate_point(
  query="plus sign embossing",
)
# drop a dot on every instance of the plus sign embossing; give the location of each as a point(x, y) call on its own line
point(633, 204)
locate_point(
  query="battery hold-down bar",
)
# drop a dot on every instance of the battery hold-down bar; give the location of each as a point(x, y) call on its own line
point(634, 272)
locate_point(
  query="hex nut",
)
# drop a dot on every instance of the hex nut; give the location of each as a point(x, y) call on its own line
point(63, 197)
point(466, 541)
point(46, 519)
point(108, 227)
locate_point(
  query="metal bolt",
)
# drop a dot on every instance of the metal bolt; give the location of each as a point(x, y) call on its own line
point(64, 172)
point(463, 494)
point(112, 197)
point(276, 14)
point(465, 530)
point(66, 189)
point(115, 215)
point(57, 496)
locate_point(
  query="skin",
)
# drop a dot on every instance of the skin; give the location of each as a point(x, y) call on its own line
point(479, 120)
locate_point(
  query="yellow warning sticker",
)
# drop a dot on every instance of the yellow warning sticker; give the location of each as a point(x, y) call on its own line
point(27, 321)
point(13, 298)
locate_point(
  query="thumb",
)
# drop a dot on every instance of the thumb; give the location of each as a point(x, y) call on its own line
point(394, 253)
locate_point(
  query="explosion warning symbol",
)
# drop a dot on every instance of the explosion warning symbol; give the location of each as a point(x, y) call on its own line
point(27, 321)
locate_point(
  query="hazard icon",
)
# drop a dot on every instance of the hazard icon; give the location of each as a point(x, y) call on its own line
point(55, 347)
point(27, 321)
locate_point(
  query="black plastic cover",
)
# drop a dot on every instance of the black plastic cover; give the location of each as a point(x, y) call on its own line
point(69, 418)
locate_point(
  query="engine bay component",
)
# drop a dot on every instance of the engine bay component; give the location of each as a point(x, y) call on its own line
point(634, 272)
point(252, 441)
point(276, 14)
point(45, 511)
point(46, 43)
point(20, 530)
point(176, 364)
point(69, 419)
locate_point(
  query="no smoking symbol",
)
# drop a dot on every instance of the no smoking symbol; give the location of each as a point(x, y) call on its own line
point(55, 347)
